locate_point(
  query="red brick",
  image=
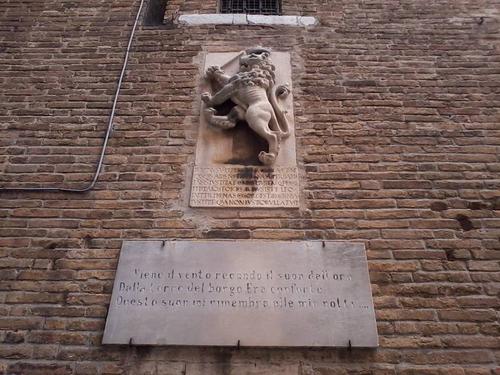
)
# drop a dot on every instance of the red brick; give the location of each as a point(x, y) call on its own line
point(397, 142)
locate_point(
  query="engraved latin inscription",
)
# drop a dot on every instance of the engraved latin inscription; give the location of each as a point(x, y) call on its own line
point(245, 187)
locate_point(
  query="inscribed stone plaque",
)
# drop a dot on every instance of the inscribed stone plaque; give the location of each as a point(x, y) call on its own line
point(245, 187)
point(239, 163)
point(257, 293)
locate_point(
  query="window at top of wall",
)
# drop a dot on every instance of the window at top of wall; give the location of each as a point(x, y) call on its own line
point(268, 7)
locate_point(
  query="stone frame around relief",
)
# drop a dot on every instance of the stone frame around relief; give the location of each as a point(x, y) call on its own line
point(227, 171)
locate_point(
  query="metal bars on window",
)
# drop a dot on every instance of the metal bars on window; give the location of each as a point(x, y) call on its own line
point(270, 7)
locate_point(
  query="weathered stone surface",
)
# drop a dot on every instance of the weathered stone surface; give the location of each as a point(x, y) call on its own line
point(256, 293)
point(251, 96)
point(245, 19)
point(243, 163)
point(233, 186)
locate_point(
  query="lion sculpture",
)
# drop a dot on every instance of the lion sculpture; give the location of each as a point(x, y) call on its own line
point(255, 95)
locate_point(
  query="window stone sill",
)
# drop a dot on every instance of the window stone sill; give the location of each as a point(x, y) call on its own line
point(245, 19)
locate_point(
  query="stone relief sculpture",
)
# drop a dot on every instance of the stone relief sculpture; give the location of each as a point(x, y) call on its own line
point(255, 95)
point(245, 150)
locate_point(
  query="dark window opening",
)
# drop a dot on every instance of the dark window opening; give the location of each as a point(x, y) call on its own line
point(269, 7)
point(155, 11)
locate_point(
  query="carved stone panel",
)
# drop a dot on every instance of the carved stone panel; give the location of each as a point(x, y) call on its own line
point(256, 293)
point(245, 155)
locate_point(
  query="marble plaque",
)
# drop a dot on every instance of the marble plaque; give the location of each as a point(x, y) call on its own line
point(229, 170)
point(245, 187)
point(255, 293)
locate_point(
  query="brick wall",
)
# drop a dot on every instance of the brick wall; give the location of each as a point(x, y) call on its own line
point(397, 116)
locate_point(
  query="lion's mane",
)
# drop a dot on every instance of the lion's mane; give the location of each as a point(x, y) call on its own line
point(261, 74)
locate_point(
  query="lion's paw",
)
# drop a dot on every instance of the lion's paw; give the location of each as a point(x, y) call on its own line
point(206, 97)
point(213, 70)
point(267, 158)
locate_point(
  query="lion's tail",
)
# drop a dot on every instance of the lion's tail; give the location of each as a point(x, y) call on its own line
point(280, 121)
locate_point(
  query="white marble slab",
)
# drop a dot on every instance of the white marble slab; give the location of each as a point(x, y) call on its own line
point(246, 19)
point(256, 293)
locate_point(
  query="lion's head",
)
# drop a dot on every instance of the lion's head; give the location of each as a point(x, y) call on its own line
point(256, 68)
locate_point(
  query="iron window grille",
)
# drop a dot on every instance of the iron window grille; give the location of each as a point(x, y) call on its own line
point(268, 7)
